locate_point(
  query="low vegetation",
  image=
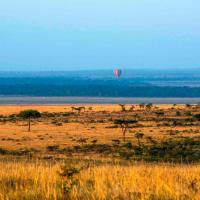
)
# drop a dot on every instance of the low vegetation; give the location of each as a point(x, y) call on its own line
point(144, 152)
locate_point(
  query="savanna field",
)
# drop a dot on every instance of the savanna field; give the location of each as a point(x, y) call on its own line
point(147, 152)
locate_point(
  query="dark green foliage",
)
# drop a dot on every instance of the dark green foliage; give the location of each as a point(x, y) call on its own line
point(52, 147)
point(175, 150)
point(53, 114)
point(139, 136)
point(25, 114)
point(170, 150)
point(149, 106)
point(188, 113)
point(29, 114)
point(19, 152)
point(123, 121)
point(3, 151)
point(197, 116)
point(138, 151)
point(151, 140)
point(128, 144)
point(160, 113)
point(178, 113)
point(127, 155)
point(66, 114)
point(124, 124)
point(68, 174)
point(12, 116)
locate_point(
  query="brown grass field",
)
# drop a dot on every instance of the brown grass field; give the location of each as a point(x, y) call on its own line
point(82, 155)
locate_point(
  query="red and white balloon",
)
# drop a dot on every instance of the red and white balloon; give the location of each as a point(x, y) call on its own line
point(117, 73)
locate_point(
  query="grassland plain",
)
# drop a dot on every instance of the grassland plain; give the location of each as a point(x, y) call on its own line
point(24, 180)
point(80, 152)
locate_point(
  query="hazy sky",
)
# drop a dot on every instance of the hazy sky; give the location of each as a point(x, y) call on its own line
point(99, 34)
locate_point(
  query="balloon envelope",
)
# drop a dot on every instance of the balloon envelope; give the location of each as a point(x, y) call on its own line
point(117, 72)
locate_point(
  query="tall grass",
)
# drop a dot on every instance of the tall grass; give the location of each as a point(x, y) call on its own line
point(23, 180)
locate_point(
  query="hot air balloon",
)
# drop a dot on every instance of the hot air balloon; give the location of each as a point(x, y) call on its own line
point(117, 73)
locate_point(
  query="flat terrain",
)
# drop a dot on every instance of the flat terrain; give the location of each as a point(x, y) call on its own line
point(60, 126)
point(79, 152)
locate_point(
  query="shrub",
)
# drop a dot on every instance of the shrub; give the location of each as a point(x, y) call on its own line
point(197, 116)
point(53, 147)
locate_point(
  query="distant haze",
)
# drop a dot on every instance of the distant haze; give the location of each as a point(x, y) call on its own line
point(102, 83)
point(75, 34)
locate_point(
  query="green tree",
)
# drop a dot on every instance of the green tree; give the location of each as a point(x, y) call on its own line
point(139, 136)
point(29, 114)
point(124, 125)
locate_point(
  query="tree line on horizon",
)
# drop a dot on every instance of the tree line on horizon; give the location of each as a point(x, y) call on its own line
point(93, 90)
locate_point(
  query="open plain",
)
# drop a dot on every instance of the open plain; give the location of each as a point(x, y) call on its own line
point(100, 152)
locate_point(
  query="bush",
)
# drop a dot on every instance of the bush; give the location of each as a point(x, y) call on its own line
point(129, 145)
point(53, 147)
point(197, 116)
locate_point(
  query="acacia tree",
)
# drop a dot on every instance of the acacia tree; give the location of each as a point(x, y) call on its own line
point(142, 106)
point(188, 106)
point(124, 125)
point(123, 107)
point(29, 114)
point(149, 106)
point(139, 136)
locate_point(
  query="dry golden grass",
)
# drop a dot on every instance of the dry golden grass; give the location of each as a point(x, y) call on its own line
point(10, 109)
point(44, 133)
point(41, 181)
point(37, 180)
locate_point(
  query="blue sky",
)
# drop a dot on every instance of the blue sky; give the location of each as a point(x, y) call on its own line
point(103, 34)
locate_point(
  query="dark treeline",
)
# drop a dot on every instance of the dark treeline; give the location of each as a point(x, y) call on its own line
point(89, 87)
point(132, 83)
